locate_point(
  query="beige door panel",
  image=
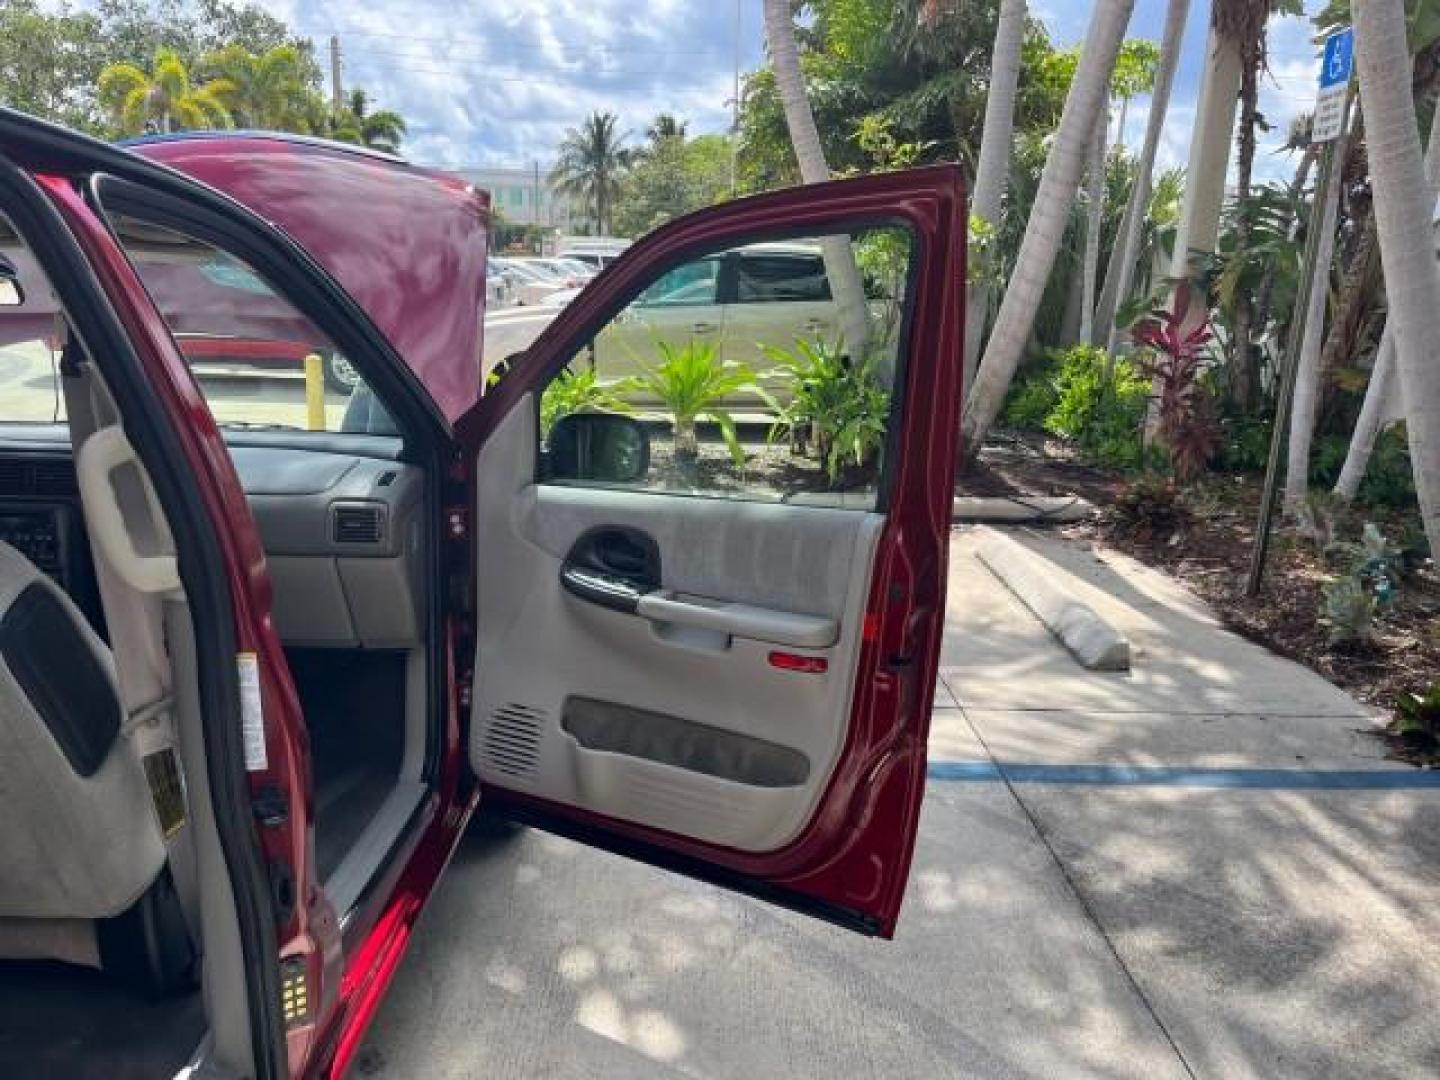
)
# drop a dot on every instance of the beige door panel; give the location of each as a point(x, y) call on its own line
point(674, 718)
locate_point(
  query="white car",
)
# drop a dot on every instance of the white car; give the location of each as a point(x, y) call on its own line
point(528, 284)
point(743, 300)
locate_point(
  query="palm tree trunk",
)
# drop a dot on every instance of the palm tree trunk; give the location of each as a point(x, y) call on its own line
point(1244, 372)
point(1120, 274)
point(1088, 93)
point(1403, 213)
point(1094, 221)
point(1307, 372)
point(840, 264)
point(994, 166)
point(1378, 406)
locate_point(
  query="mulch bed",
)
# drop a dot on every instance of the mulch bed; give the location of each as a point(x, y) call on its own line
point(1209, 549)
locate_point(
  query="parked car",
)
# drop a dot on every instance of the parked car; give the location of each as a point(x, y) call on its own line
point(236, 771)
point(747, 302)
point(211, 354)
point(528, 284)
point(594, 251)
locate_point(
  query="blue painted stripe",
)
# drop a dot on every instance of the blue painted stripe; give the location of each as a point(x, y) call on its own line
point(1172, 776)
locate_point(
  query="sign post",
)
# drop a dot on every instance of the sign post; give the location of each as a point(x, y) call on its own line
point(1332, 114)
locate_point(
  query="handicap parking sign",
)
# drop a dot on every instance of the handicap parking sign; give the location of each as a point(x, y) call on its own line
point(1338, 59)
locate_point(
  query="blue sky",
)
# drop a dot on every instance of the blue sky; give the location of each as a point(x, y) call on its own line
point(497, 84)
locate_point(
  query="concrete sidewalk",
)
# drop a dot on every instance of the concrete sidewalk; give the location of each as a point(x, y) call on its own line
point(1083, 902)
point(1286, 929)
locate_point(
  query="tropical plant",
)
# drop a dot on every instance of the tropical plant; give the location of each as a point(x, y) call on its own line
point(268, 90)
point(993, 170)
point(581, 391)
point(1099, 404)
point(164, 98)
point(381, 129)
point(1348, 610)
point(691, 382)
point(1150, 505)
point(592, 160)
point(839, 406)
point(1120, 273)
point(840, 268)
point(1417, 716)
point(1172, 354)
point(1087, 96)
point(1402, 217)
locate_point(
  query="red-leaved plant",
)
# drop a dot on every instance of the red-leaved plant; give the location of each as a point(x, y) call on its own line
point(1171, 355)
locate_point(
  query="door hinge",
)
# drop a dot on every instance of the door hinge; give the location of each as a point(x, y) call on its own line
point(282, 891)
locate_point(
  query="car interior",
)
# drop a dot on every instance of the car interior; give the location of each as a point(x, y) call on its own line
point(101, 882)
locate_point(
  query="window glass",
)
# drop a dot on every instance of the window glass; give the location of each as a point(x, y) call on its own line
point(763, 276)
point(259, 362)
point(764, 401)
point(693, 283)
point(29, 337)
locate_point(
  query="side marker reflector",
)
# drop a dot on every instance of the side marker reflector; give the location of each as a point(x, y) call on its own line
point(809, 665)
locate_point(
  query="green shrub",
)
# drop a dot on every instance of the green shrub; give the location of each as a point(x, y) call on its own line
point(691, 381)
point(1245, 443)
point(1417, 717)
point(841, 408)
point(1389, 481)
point(1030, 401)
point(1102, 415)
point(579, 391)
point(1327, 457)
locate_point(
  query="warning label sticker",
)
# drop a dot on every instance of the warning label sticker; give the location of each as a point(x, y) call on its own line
point(252, 717)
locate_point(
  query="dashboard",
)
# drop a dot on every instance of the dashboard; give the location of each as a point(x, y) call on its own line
point(341, 519)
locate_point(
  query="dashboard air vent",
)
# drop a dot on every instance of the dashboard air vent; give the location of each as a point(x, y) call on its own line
point(55, 480)
point(357, 524)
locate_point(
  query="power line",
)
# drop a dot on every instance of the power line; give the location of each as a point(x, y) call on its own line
point(453, 38)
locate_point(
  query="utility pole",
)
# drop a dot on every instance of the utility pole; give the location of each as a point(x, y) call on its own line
point(337, 95)
point(535, 208)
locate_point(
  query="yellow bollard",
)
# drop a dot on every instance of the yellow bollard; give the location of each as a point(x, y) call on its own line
point(314, 392)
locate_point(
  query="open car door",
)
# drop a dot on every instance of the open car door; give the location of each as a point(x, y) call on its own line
point(709, 644)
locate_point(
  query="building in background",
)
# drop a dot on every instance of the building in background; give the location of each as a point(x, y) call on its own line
point(523, 196)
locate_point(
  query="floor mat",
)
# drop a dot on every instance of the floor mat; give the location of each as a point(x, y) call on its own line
point(62, 1021)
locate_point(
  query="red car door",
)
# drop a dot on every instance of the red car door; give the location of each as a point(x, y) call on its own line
point(728, 676)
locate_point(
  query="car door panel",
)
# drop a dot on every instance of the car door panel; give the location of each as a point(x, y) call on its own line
point(599, 708)
point(754, 711)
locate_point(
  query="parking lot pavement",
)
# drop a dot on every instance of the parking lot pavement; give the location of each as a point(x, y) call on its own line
point(1201, 869)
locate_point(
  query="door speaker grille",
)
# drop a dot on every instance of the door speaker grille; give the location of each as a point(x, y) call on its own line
point(512, 739)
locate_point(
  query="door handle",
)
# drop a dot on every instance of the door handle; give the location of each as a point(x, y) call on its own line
point(612, 566)
point(814, 326)
point(703, 328)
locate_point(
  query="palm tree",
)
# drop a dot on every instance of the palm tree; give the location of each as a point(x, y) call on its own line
point(994, 165)
point(665, 129)
point(270, 89)
point(380, 130)
point(1306, 398)
point(163, 98)
point(1119, 275)
point(1088, 94)
point(1407, 252)
point(1380, 405)
point(840, 265)
point(1094, 222)
point(592, 160)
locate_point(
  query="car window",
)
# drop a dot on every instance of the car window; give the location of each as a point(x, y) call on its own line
point(259, 362)
point(693, 283)
point(775, 407)
point(30, 337)
point(763, 278)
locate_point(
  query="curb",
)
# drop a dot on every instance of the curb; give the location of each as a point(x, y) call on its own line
point(1093, 642)
point(1020, 508)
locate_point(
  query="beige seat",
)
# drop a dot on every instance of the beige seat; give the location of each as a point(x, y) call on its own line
point(83, 874)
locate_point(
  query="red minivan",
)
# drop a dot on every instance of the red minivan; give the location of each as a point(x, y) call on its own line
point(265, 656)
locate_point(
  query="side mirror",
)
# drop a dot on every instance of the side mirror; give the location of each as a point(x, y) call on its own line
point(607, 447)
point(11, 294)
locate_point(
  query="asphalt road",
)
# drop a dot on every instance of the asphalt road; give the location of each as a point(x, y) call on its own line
point(1200, 869)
